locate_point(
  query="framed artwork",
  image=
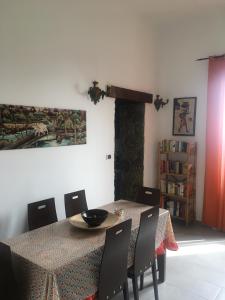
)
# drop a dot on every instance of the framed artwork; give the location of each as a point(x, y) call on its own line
point(24, 127)
point(184, 114)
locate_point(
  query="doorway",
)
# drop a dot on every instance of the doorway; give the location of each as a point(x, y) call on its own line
point(129, 148)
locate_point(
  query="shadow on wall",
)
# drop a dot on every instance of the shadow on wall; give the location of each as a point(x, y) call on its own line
point(4, 226)
point(7, 224)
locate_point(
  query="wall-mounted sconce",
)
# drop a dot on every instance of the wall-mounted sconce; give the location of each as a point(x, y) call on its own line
point(96, 93)
point(159, 102)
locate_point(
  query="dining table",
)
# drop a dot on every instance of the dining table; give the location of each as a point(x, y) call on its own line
point(62, 262)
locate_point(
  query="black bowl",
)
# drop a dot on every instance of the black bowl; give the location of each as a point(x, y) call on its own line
point(94, 217)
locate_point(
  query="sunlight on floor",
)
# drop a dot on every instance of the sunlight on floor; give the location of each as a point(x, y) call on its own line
point(206, 248)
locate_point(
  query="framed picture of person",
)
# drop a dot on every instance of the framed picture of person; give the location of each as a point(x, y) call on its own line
point(184, 115)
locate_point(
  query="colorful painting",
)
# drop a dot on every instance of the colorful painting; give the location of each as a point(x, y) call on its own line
point(184, 113)
point(24, 127)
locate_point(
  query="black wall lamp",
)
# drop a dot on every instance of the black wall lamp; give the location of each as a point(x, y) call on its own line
point(158, 102)
point(96, 93)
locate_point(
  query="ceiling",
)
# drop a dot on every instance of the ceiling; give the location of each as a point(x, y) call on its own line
point(173, 8)
point(161, 10)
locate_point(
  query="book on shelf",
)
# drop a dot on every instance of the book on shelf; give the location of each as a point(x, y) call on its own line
point(173, 146)
point(187, 168)
point(171, 187)
point(169, 205)
point(163, 185)
point(181, 211)
point(174, 188)
point(175, 208)
point(175, 167)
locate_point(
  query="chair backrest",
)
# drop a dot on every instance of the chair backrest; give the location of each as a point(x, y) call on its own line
point(144, 252)
point(8, 285)
point(75, 203)
point(149, 196)
point(41, 213)
point(113, 271)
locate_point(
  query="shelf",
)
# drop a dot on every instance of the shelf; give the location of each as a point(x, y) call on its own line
point(170, 162)
point(177, 218)
point(191, 197)
point(174, 174)
point(169, 152)
point(180, 198)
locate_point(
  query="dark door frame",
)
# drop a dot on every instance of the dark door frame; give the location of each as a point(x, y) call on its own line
point(131, 95)
point(119, 93)
point(126, 96)
point(129, 149)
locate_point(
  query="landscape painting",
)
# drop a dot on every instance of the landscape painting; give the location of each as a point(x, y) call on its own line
point(24, 127)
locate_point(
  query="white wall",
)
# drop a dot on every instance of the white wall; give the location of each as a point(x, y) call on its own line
point(50, 52)
point(179, 45)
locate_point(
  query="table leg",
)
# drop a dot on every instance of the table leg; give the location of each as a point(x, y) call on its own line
point(161, 262)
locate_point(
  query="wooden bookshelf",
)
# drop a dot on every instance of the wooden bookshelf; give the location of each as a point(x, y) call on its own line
point(177, 178)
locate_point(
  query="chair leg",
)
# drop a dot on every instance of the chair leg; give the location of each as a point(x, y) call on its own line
point(135, 288)
point(161, 260)
point(141, 281)
point(125, 291)
point(155, 282)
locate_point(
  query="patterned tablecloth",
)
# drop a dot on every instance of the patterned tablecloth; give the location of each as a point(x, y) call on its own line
point(61, 262)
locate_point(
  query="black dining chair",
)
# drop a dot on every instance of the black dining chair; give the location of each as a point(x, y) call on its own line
point(113, 270)
point(41, 213)
point(148, 196)
point(75, 203)
point(8, 284)
point(144, 254)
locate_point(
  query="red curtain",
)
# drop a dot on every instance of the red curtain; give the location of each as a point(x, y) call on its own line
point(214, 194)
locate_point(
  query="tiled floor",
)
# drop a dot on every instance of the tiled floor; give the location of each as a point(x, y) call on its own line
point(196, 271)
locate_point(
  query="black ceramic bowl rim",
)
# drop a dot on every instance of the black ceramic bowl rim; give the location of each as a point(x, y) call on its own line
point(100, 216)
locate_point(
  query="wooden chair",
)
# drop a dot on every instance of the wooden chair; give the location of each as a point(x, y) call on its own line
point(148, 196)
point(151, 196)
point(113, 271)
point(8, 284)
point(75, 203)
point(41, 213)
point(144, 254)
